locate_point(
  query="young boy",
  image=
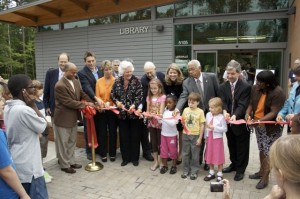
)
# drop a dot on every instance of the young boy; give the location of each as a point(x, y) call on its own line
point(193, 120)
point(38, 92)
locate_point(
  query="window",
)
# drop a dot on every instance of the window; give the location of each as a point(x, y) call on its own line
point(165, 11)
point(184, 9)
point(208, 7)
point(76, 24)
point(48, 28)
point(105, 20)
point(183, 34)
point(259, 5)
point(136, 15)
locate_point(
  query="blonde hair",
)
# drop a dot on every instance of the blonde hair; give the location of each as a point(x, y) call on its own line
point(179, 79)
point(106, 64)
point(285, 155)
point(160, 88)
point(37, 85)
point(217, 103)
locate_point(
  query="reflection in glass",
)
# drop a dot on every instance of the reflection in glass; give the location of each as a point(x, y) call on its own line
point(48, 27)
point(76, 24)
point(183, 34)
point(215, 33)
point(262, 5)
point(165, 11)
point(184, 8)
point(207, 7)
point(182, 57)
point(208, 61)
point(263, 31)
point(136, 15)
point(105, 20)
point(271, 61)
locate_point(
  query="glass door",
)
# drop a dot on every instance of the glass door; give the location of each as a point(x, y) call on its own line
point(271, 60)
point(208, 60)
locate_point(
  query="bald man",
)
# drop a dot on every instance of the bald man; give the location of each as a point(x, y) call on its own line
point(68, 95)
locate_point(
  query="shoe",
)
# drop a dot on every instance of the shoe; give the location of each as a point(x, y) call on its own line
point(193, 177)
point(76, 166)
point(228, 169)
point(148, 157)
point(154, 167)
point(178, 162)
point(135, 163)
point(184, 175)
point(206, 167)
point(238, 176)
point(112, 159)
point(47, 177)
point(69, 170)
point(104, 159)
point(219, 178)
point(124, 163)
point(256, 176)
point(261, 185)
point(209, 177)
point(89, 156)
point(173, 170)
point(164, 169)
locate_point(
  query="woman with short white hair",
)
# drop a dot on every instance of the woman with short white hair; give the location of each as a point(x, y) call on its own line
point(127, 94)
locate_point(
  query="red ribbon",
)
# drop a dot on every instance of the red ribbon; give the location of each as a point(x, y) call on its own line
point(113, 109)
point(89, 113)
point(256, 122)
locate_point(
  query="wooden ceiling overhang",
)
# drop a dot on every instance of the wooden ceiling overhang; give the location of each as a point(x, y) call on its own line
point(46, 12)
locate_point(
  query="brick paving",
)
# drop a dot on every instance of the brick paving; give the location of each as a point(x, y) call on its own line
point(129, 182)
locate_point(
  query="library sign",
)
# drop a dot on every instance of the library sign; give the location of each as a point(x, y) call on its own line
point(134, 30)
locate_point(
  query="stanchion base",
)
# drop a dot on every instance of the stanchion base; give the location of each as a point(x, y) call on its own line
point(94, 167)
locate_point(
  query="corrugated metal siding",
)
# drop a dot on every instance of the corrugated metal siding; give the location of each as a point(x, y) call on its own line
point(107, 43)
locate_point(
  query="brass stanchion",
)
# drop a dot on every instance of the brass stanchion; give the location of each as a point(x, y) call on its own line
point(93, 166)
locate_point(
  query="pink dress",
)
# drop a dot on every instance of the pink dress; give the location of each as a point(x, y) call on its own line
point(214, 152)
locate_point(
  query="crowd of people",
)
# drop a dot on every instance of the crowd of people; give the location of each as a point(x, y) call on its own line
point(185, 119)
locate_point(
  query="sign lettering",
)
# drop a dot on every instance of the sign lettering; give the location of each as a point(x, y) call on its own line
point(134, 30)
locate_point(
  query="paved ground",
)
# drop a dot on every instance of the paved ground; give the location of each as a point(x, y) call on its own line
point(140, 182)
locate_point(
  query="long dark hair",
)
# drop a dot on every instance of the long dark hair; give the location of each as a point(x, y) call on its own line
point(268, 78)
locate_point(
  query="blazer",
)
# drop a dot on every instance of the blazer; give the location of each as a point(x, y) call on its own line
point(220, 125)
point(210, 89)
point(292, 104)
point(274, 101)
point(67, 103)
point(88, 81)
point(242, 92)
point(48, 96)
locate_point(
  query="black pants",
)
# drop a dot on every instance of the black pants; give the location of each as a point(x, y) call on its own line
point(129, 130)
point(145, 138)
point(107, 120)
point(238, 140)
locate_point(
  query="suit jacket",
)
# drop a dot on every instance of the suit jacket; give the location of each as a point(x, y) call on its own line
point(210, 89)
point(50, 81)
point(242, 92)
point(88, 81)
point(67, 103)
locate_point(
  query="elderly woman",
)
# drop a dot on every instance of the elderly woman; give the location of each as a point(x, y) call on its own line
point(173, 86)
point(267, 98)
point(127, 94)
point(107, 119)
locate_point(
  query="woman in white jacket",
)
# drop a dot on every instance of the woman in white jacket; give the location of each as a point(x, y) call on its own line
point(215, 128)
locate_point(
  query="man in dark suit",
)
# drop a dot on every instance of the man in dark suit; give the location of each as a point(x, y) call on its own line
point(88, 77)
point(150, 73)
point(235, 94)
point(206, 84)
point(52, 76)
point(68, 94)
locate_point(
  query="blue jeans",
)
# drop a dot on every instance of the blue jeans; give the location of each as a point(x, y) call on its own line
point(37, 188)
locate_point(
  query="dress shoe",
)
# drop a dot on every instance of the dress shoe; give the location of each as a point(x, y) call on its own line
point(206, 167)
point(69, 170)
point(209, 177)
point(112, 159)
point(238, 176)
point(148, 157)
point(76, 166)
point(256, 176)
point(135, 163)
point(124, 163)
point(261, 184)
point(89, 156)
point(228, 169)
point(104, 159)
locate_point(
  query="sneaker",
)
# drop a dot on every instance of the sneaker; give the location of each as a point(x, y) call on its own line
point(184, 175)
point(163, 170)
point(173, 170)
point(193, 177)
point(47, 177)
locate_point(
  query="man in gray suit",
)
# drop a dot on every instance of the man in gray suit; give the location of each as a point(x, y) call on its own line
point(206, 84)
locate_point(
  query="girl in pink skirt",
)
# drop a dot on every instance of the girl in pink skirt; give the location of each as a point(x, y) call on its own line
point(215, 128)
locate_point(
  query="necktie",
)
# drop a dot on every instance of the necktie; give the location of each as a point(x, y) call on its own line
point(297, 91)
point(201, 92)
point(232, 97)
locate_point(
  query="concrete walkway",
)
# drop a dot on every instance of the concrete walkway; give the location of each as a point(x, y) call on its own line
point(129, 182)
